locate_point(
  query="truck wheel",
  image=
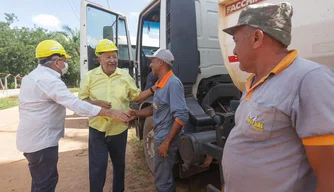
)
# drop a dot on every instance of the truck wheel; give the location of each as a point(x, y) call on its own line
point(149, 143)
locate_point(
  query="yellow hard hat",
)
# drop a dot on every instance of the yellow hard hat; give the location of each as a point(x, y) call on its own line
point(105, 45)
point(47, 48)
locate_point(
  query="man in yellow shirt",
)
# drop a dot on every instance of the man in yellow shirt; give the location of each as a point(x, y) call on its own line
point(105, 86)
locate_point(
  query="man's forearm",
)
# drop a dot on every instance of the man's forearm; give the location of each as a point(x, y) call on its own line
point(146, 112)
point(106, 112)
point(90, 101)
point(143, 95)
point(176, 128)
point(321, 158)
point(103, 112)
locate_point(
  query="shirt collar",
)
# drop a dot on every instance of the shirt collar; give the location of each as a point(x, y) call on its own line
point(99, 71)
point(285, 63)
point(161, 83)
point(51, 71)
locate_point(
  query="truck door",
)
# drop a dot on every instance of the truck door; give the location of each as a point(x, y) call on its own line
point(97, 23)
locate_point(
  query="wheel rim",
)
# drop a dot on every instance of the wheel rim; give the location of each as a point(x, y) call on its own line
point(149, 144)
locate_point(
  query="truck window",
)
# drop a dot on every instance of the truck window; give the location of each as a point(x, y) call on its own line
point(150, 39)
point(98, 29)
point(123, 47)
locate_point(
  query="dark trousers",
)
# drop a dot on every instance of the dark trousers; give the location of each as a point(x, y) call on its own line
point(163, 168)
point(99, 147)
point(43, 169)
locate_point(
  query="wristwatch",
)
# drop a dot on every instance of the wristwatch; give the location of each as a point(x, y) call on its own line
point(151, 89)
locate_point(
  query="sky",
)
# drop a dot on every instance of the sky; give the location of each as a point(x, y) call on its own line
point(52, 15)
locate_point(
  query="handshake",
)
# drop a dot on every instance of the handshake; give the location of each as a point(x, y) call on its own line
point(106, 110)
point(125, 117)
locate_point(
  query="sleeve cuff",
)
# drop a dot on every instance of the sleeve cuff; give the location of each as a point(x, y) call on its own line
point(179, 122)
point(134, 96)
point(96, 110)
point(319, 140)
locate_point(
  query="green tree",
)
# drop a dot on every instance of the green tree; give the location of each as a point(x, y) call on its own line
point(70, 38)
point(73, 35)
point(10, 17)
point(17, 48)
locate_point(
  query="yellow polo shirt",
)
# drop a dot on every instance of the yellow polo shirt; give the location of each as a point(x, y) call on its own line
point(118, 88)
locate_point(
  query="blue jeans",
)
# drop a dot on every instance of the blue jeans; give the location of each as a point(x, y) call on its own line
point(99, 147)
point(43, 169)
point(163, 168)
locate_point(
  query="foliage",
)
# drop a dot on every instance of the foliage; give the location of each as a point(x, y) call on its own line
point(17, 48)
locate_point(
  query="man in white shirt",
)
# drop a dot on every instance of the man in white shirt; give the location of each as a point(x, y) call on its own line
point(44, 98)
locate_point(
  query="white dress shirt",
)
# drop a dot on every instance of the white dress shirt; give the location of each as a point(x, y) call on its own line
point(43, 98)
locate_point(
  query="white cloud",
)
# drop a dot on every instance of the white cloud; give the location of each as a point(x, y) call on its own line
point(47, 21)
point(134, 14)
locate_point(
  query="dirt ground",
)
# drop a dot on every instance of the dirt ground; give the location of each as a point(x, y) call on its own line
point(73, 161)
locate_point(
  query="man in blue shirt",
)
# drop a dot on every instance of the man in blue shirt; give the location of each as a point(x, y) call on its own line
point(170, 113)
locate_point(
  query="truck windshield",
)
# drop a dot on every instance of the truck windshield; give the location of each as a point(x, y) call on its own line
point(150, 42)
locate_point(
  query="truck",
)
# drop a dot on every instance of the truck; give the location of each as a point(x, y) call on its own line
point(204, 62)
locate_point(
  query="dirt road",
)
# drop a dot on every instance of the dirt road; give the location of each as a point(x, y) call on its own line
point(73, 161)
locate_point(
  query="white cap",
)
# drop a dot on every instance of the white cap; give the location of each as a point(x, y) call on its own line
point(163, 54)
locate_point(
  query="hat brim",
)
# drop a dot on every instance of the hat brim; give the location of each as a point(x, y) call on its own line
point(232, 30)
point(67, 56)
point(150, 57)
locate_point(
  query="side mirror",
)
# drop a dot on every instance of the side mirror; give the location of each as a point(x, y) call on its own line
point(108, 33)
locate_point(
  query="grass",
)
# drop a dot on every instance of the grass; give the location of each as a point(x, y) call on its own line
point(8, 102)
point(138, 176)
point(13, 101)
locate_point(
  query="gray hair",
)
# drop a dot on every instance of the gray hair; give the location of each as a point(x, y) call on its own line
point(100, 54)
point(47, 61)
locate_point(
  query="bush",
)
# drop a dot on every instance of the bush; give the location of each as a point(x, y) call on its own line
point(11, 85)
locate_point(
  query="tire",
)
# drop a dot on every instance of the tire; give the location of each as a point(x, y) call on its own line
point(149, 143)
